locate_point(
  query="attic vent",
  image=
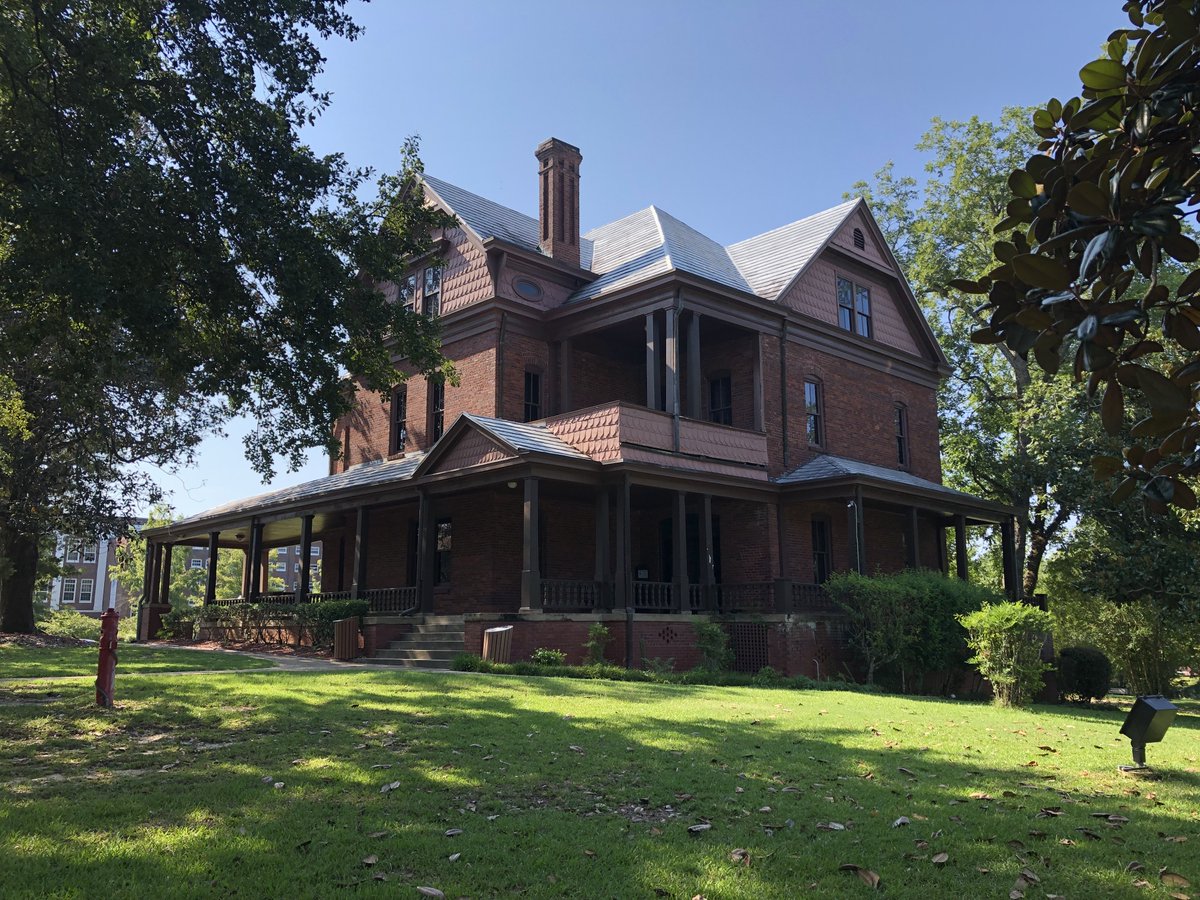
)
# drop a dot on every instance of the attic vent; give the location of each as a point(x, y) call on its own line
point(859, 241)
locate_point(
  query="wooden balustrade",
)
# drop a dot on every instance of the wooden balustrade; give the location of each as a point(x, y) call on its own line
point(565, 595)
point(752, 597)
point(811, 598)
point(653, 596)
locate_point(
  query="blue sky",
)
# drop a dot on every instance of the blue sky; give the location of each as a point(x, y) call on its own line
point(735, 117)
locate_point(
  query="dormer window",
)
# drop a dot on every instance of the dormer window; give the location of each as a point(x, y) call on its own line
point(432, 297)
point(854, 307)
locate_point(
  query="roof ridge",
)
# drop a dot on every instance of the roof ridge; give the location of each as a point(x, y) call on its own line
point(848, 204)
point(656, 213)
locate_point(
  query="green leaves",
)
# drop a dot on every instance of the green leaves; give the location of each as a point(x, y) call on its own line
point(1103, 75)
point(1041, 271)
point(1022, 184)
point(1088, 199)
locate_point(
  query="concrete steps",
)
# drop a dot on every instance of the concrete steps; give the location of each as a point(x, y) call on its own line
point(433, 644)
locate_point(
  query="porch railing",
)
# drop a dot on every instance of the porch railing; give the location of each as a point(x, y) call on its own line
point(399, 600)
point(811, 598)
point(754, 597)
point(653, 596)
point(696, 597)
point(565, 595)
point(322, 596)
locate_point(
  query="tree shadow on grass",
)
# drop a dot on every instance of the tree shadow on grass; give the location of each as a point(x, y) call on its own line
point(560, 789)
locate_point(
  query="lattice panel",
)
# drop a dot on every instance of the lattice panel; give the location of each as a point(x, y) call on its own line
point(748, 640)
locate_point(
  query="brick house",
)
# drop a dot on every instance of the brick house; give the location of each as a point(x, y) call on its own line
point(649, 428)
point(87, 583)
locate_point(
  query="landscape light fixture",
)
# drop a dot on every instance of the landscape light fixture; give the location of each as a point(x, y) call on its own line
point(1146, 723)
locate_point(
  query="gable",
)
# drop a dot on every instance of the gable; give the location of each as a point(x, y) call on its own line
point(815, 295)
point(471, 447)
point(843, 239)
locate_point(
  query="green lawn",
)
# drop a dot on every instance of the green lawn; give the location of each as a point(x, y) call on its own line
point(23, 662)
point(553, 788)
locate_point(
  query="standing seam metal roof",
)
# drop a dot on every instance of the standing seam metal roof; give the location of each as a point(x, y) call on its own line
point(827, 467)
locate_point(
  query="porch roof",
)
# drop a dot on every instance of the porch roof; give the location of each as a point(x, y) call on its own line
point(827, 469)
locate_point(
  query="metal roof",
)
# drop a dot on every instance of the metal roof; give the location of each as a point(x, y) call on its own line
point(772, 260)
point(827, 467)
point(526, 436)
point(651, 242)
point(366, 474)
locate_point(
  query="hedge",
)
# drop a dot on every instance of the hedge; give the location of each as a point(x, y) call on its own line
point(318, 618)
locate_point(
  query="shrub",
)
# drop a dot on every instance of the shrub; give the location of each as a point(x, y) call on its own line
point(469, 662)
point(658, 666)
point(251, 620)
point(908, 620)
point(1007, 639)
point(546, 656)
point(72, 624)
point(713, 643)
point(1084, 673)
point(177, 624)
point(598, 637)
point(768, 677)
point(319, 617)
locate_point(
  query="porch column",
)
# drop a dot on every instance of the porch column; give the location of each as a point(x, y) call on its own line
point(359, 585)
point(679, 552)
point(960, 546)
point(707, 563)
point(531, 576)
point(425, 540)
point(693, 367)
point(564, 376)
point(855, 533)
point(759, 418)
point(305, 583)
point(912, 548)
point(601, 576)
point(671, 350)
point(150, 574)
point(256, 561)
point(651, 363)
point(1012, 572)
point(940, 540)
point(622, 581)
point(164, 595)
point(210, 589)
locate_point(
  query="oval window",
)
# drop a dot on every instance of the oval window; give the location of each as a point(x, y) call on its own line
point(530, 290)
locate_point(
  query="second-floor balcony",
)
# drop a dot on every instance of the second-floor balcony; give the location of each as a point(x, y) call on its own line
point(624, 432)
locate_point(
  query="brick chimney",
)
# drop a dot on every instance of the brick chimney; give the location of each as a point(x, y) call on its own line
point(558, 196)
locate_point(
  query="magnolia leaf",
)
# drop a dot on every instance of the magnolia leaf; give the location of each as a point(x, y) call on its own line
point(699, 828)
point(452, 832)
point(429, 892)
point(1102, 75)
point(370, 860)
point(1041, 271)
point(1087, 199)
point(940, 859)
point(1112, 410)
point(1021, 182)
point(1173, 879)
point(871, 879)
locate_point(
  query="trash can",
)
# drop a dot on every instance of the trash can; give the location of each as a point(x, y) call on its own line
point(345, 639)
point(497, 644)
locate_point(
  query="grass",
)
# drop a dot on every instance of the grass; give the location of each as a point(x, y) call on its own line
point(45, 662)
point(568, 788)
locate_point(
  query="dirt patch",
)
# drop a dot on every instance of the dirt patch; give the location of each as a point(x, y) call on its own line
point(40, 640)
point(254, 647)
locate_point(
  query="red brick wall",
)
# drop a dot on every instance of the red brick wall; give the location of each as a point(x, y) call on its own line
point(521, 353)
point(597, 379)
point(749, 541)
point(732, 353)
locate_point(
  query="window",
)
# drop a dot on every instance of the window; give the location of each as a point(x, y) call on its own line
point(441, 551)
point(437, 409)
point(720, 399)
point(296, 567)
point(408, 292)
point(859, 241)
point(70, 588)
point(854, 307)
point(87, 587)
point(314, 551)
point(812, 409)
point(195, 564)
point(432, 298)
point(280, 567)
point(399, 428)
point(74, 550)
point(533, 396)
point(901, 435)
point(89, 553)
point(820, 546)
point(345, 449)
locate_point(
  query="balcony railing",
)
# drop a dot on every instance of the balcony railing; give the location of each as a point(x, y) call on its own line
point(811, 598)
point(565, 595)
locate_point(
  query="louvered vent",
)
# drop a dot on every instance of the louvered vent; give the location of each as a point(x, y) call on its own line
point(859, 241)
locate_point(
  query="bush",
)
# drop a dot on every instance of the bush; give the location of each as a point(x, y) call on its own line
point(713, 643)
point(768, 677)
point(1007, 639)
point(72, 624)
point(659, 666)
point(1084, 673)
point(178, 624)
point(546, 656)
point(597, 642)
point(908, 621)
point(251, 620)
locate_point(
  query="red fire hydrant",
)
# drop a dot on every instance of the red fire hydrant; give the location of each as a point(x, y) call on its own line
point(108, 658)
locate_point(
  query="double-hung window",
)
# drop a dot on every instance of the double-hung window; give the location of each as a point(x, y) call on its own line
point(431, 299)
point(399, 427)
point(443, 540)
point(901, 416)
point(437, 409)
point(820, 550)
point(720, 399)
point(70, 589)
point(87, 587)
point(533, 396)
point(408, 292)
point(814, 415)
point(854, 307)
